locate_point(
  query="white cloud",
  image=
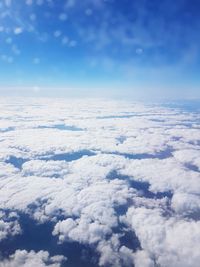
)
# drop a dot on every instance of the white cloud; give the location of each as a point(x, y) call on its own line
point(43, 168)
point(156, 172)
point(84, 231)
point(79, 195)
point(186, 204)
point(7, 170)
point(190, 156)
point(142, 258)
point(9, 225)
point(24, 258)
point(168, 241)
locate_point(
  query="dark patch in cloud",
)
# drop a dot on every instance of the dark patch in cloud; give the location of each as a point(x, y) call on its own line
point(17, 162)
point(9, 129)
point(159, 155)
point(69, 156)
point(115, 117)
point(192, 167)
point(121, 139)
point(130, 240)
point(141, 187)
point(61, 127)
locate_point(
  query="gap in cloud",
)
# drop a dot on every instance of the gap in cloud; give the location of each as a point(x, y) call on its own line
point(121, 139)
point(195, 143)
point(116, 117)
point(158, 120)
point(195, 215)
point(186, 124)
point(68, 156)
point(192, 167)
point(61, 127)
point(130, 240)
point(190, 125)
point(17, 162)
point(141, 187)
point(9, 129)
point(167, 153)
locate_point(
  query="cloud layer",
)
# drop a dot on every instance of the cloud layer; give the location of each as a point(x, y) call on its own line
point(119, 178)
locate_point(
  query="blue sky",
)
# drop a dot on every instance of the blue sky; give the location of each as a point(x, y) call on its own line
point(139, 49)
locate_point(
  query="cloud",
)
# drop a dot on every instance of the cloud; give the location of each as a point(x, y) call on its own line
point(91, 184)
point(7, 170)
point(151, 170)
point(188, 156)
point(186, 204)
point(168, 241)
point(142, 258)
point(9, 225)
point(44, 168)
point(24, 258)
point(82, 231)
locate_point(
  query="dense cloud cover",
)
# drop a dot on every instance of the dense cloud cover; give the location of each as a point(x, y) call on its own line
point(119, 179)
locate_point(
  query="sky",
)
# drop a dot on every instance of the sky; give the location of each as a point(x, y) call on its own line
point(138, 49)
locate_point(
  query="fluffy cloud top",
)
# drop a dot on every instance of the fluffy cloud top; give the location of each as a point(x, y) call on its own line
point(9, 225)
point(24, 258)
point(167, 241)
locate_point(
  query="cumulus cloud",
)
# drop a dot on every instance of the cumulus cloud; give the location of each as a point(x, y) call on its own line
point(142, 258)
point(44, 168)
point(188, 156)
point(24, 258)
point(167, 241)
point(156, 172)
point(186, 204)
point(9, 225)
